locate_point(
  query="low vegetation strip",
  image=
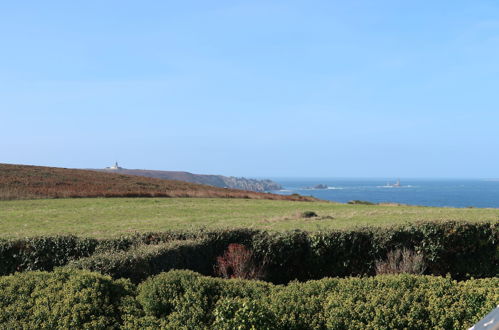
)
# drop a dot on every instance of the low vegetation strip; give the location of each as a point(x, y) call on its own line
point(184, 299)
point(29, 182)
point(460, 249)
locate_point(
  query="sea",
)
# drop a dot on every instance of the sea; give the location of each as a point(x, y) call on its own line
point(481, 193)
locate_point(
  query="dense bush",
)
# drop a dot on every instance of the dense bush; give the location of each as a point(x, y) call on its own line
point(63, 300)
point(187, 300)
point(42, 253)
point(152, 254)
point(461, 249)
point(140, 262)
point(183, 299)
point(47, 252)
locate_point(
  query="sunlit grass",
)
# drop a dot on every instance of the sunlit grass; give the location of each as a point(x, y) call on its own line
point(107, 217)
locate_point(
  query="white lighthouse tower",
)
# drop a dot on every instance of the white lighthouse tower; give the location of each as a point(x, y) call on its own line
point(115, 167)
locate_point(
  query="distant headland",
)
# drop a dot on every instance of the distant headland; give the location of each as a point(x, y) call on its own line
point(207, 179)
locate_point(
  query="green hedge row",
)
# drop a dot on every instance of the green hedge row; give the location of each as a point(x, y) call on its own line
point(142, 261)
point(42, 253)
point(47, 252)
point(461, 249)
point(186, 300)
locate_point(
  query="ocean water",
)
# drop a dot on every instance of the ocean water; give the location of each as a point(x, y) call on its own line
point(435, 192)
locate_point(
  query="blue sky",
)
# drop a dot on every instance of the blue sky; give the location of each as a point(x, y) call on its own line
point(253, 88)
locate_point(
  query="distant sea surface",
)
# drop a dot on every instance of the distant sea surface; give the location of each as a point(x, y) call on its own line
point(450, 193)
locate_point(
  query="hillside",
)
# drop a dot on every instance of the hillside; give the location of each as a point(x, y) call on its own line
point(211, 180)
point(27, 182)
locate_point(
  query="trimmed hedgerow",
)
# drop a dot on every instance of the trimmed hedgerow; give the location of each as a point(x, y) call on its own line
point(143, 261)
point(461, 249)
point(42, 253)
point(47, 252)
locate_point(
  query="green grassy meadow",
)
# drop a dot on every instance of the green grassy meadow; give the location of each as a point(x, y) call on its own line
point(110, 217)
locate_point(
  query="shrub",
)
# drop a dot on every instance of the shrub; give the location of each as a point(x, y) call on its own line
point(342, 253)
point(299, 305)
point(143, 261)
point(359, 202)
point(243, 314)
point(62, 299)
point(401, 261)
point(285, 256)
point(42, 253)
point(184, 299)
point(308, 214)
point(187, 300)
point(238, 262)
point(408, 302)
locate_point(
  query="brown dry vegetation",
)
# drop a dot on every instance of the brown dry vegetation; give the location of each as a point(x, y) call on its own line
point(29, 182)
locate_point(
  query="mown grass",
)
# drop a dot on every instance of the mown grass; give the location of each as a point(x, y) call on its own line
point(110, 217)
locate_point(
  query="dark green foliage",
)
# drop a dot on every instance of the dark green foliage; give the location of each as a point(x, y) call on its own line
point(359, 202)
point(342, 253)
point(142, 261)
point(285, 256)
point(461, 249)
point(42, 253)
point(309, 214)
point(63, 300)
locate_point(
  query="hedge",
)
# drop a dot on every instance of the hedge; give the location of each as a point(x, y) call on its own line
point(183, 299)
point(461, 249)
point(47, 252)
point(186, 300)
point(63, 300)
point(42, 253)
point(143, 261)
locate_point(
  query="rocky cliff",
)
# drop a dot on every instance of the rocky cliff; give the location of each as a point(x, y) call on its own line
point(211, 180)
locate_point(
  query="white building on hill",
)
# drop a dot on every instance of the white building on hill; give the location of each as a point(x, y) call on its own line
point(114, 167)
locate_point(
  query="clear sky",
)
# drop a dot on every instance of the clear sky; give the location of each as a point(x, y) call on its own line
point(253, 88)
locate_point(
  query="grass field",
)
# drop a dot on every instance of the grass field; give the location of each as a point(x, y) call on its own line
point(108, 217)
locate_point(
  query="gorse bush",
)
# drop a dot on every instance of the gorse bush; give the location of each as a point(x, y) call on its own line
point(463, 250)
point(186, 300)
